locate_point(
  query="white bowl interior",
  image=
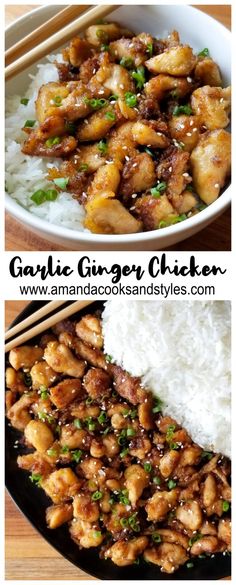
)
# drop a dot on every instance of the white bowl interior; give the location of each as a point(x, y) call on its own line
point(158, 20)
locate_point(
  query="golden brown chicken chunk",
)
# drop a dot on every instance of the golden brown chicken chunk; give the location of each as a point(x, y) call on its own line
point(124, 553)
point(176, 61)
point(212, 106)
point(62, 360)
point(166, 555)
point(211, 164)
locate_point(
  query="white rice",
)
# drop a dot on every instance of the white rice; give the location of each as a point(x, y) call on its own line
point(26, 174)
point(182, 352)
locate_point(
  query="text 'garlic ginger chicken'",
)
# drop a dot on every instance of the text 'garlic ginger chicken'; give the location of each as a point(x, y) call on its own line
point(140, 124)
point(124, 477)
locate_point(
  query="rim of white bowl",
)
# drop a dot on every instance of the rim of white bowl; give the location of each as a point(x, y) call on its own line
point(210, 212)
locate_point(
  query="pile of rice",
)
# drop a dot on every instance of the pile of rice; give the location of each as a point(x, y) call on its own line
point(182, 352)
point(26, 174)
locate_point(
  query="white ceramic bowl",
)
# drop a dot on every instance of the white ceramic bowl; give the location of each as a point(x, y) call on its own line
point(196, 29)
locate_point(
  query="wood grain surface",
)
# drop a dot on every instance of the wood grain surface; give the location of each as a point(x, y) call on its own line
point(28, 555)
point(215, 237)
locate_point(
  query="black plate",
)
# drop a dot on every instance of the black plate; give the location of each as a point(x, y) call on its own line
point(32, 501)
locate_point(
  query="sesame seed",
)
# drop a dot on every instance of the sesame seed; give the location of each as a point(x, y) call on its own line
point(135, 165)
point(122, 86)
point(189, 134)
point(94, 71)
point(216, 185)
point(191, 123)
point(185, 175)
point(124, 147)
point(221, 100)
point(181, 125)
point(189, 79)
point(127, 158)
point(170, 169)
point(132, 208)
point(194, 129)
point(134, 195)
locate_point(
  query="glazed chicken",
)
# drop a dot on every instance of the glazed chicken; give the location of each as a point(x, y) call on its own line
point(126, 478)
point(137, 127)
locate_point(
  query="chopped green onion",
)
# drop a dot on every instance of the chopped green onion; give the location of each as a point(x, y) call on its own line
point(126, 62)
point(97, 533)
point(123, 497)
point(70, 127)
point(29, 123)
point(61, 182)
point(172, 220)
point(43, 392)
point(174, 93)
point(113, 97)
point(96, 496)
point(96, 104)
point(76, 455)
point(204, 53)
point(46, 417)
point(206, 455)
point(147, 467)
point(122, 438)
point(139, 76)
point(57, 100)
point(53, 141)
point(108, 358)
point(200, 207)
point(157, 405)
point(89, 401)
point(148, 151)
point(83, 167)
point(27, 379)
point(105, 48)
point(149, 49)
point(202, 556)
point(131, 433)
point(170, 432)
point(130, 99)
point(124, 522)
point(51, 452)
point(102, 418)
point(65, 449)
point(107, 430)
point(102, 35)
point(102, 146)
point(110, 116)
point(174, 446)
point(156, 537)
point(171, 484)
point(134, 523)
point(225, 506)
point(78, 423)
point(189, 565)
point(51, 195)
point(124, 453)
point(156, 480)
point(178, 110)
point(194, 538)
point(38, 197)
point(24, 101)
point(35, 478)
point(156, 191)
point(91, 424)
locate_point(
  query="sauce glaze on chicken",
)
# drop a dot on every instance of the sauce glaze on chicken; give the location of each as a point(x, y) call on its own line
point(140, 125)
point(124, 477)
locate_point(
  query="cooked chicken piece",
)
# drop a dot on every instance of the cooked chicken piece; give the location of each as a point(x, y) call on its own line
point(190, 514)
point(136, 480)
point(39, 435)
point(84, 508)
point(152, 211)
point(145, 415)
point(97, 449)
point(128, 387)
point(62, 360)
point(79, 50)
point(42, 375)
point(186, 202)
point(160, 86)
point(25, 356)
point(36, 463)
point(207, 72)
point(185, 129)
point(98, 124)
point(89, 329)
point(210, 164)
point(127, 112)
point(35, 145)
point(15, 381)
point(67, 391)
point(173, 168)
point(206, 544)
point(91, 467)
point(178, 61)
point(50, 97)
point(93, 356)
point(172, 39)
point(138, 175)
point(97, 383)
point(61, 485)
point(110, 442)
point(124, 552)
point(140, 446)
point(118, 421)
point(164, 422)
point(85, 534)
point(133, 50)
point(109, 216)
point(103, 33)
point(105, 180)
point(58, 515)
point(83, 410)
point(160, 504)
point(145, 134)
point(74, 438)
point(90, 156)
point(208, 528)
point(212, 106)
point(90, 67)
point(191, 455)
point(18, 414)
point(167, 556)
point(10, 398)
point(170, 535)
point(169, 462)
point(224, 531)
point(209, 491)
point(118, 81)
